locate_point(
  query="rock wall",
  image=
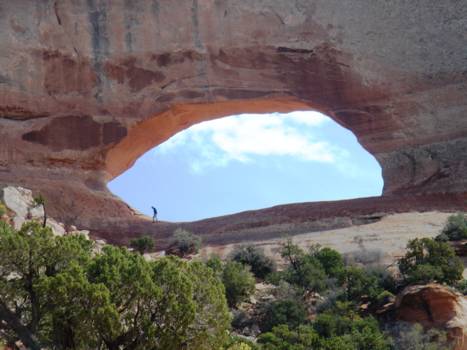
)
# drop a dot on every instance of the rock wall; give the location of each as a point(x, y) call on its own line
point(86, 87)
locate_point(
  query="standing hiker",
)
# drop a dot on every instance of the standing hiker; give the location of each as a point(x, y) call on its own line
point(154, 214)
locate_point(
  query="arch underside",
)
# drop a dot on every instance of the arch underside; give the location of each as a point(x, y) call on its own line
point(87, 87)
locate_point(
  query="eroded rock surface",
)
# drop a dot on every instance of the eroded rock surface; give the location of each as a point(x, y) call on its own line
point(435, 305)
point(21, 207)
point(86, 87)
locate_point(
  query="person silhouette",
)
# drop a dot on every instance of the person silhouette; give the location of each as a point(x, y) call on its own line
point(154, 214)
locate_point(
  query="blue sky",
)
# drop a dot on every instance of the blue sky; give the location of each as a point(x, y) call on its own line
point(249, 161)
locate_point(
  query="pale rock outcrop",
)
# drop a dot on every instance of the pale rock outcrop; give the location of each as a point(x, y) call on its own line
point(21, 204)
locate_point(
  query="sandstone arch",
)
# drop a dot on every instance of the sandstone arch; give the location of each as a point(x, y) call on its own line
point(78, 79)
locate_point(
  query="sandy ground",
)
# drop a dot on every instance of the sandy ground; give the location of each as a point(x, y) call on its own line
point(386, 238)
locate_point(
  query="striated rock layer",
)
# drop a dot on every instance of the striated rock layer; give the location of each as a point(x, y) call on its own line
point(86, 87)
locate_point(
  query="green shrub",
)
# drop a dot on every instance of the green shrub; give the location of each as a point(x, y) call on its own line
point(455, 228)
point(364, 257)
point(304, 270)
point(359, 284)
point(216, 265)
point(331, 260)
point(355, 333)
point(184, 243)
point(428, 260)
point(55, 293)
point(142, 244)
point(289, 312)
point(238, 281)
point(260, 264)
point(413, 336)
point(329, 332)
point(385, 279)
point(3, 210)
point(385, 297)
point(240, 343)
point(462, 286)
point(283, 338)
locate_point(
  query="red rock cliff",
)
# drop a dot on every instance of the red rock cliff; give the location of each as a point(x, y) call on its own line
point(86, 87)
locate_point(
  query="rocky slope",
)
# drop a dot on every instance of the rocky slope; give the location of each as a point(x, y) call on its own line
point(88, 86)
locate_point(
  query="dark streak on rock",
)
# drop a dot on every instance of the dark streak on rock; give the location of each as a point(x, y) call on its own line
point(19, 113)
point(76, 133)
point(283, 49)
point(59, 21)
point(100, 42)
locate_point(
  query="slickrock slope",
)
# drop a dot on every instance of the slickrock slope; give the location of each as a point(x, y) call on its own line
point(86, 87)
point(384, 241)
point(434, 305)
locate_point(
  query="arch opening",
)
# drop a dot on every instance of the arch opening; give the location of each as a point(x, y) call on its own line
point(247, 162)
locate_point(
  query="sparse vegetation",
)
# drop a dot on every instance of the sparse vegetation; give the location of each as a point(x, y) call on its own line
point(142, 244)
point(57, 292)
point(412, 336)
point(2, 209)
point(260, 264)
point(184, 243)
point(39, 200)
point(428, 260)
point(462, 286)
point(289, 312)
point(455, 228)
point(238, 281)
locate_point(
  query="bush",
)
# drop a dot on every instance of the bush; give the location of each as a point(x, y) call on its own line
point(329, 332)
point(184, 243)
point(364, 257)
point(260, 264)
point(142, 244)
point(55, 293)
point(462, 286)
point(353, 333)
point(385, 297)
point(3, 210)
point(413, 336)
point(241, 320)
point(360, 284)
point(385, 279)
point(240, 343)
point(331, 260)
point(238, 281)
point(216, 265)
point(455, 228)
point(428, 260)
point(289, 312)
point(304, 270)
point(283, 338)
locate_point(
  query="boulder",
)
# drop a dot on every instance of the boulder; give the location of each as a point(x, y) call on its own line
point(21, 203)
point(435, 305)
point(22, 207)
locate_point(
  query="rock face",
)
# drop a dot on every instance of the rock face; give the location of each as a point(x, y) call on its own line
point(434, 305)
point(86, 87)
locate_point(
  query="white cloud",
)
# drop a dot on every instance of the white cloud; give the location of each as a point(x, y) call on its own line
point(243, 138)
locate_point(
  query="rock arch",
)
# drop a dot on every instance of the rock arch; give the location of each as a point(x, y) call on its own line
point(86, 86)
